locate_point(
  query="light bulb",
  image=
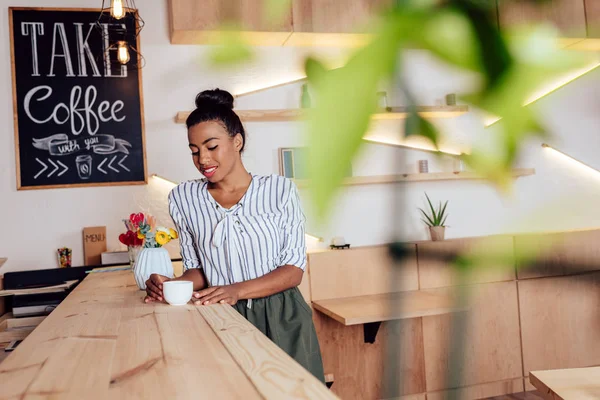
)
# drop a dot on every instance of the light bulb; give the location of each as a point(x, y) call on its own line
point(122, 52)
point(116, 9)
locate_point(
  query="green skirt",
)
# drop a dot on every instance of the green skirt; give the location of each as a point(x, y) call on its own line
point(286, 319)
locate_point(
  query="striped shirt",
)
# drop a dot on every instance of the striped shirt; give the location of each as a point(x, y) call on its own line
point(263, 231)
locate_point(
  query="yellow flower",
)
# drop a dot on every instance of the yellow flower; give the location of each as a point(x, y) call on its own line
point(140, 235)
point(173, 233)
point(162, 238)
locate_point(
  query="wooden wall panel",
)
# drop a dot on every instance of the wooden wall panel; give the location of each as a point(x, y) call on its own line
point(304, 286)
point(334, 16)
point(482, 391)
point(435, 273)
point(559, 253)
point(567, 15)
point(560, 321)
point(193, 22)
point(492, 350)
point(358, 367)
point(360, 271)
point(592, 15)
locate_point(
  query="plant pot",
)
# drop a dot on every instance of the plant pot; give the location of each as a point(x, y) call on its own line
point(437, 232)
point(152, 261)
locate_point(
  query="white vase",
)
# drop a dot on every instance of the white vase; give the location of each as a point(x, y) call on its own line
point(152, 261)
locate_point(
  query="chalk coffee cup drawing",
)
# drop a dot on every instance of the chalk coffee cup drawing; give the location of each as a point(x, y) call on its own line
point(84, 166)
point(178, 293)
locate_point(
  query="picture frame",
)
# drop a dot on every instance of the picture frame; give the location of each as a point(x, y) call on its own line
point(293, 161)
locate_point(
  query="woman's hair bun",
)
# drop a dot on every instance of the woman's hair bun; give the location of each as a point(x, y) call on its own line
point(214, 98)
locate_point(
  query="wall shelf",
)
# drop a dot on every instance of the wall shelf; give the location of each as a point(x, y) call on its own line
point(432, 176)
point(298, 113)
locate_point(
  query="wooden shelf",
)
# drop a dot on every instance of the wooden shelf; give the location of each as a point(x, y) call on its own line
point(297, 114)
point(432, 176)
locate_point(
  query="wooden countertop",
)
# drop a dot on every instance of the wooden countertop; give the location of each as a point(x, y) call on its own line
point(103, 342)
point(567, 384)
point(387, 306)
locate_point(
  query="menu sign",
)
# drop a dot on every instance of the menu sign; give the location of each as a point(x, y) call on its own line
point(78, 112)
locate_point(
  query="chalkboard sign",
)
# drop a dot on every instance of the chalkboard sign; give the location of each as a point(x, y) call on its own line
point(78, 118)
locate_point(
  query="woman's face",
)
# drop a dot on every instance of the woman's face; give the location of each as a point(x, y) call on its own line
point(214, 152)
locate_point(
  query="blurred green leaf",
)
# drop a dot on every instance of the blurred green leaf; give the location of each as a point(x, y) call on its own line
point(274, 11)
point(231, 49)
point(494, 55)
point(346, 97)
point(450, 35)
point(417, 125)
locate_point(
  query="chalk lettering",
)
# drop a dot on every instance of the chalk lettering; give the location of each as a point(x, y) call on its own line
point(91, 141)
point(71, 147)
point(33, 29)
point(79, 116)
point(59, 30)
point(83, 49)
point(107, 49)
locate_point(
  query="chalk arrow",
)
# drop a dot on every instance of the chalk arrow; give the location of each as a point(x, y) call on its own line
point(122, 166)
point(55, 168)
point(43, 165)
point(64, 170)
point(110, 164)
point(99, 167)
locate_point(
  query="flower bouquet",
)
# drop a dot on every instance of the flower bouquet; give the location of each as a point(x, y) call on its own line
point(144, 241)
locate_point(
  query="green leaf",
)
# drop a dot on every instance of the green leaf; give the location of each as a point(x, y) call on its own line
point(494, 54)
point(431, 223)
point(345, 97)
point(450, 35)
point(231, 49)
point(274, 11)
point(430, 206)
point(443, 212)
point(417, 125)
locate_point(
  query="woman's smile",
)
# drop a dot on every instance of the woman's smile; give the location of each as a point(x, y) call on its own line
point(208, 171)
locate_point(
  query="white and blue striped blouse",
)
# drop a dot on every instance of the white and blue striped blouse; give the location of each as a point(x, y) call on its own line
point(263, 231)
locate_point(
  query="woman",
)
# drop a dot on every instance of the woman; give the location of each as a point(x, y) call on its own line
point(241, 235)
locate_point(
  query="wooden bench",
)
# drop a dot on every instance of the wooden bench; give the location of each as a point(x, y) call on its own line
point(372, 310)
point(568, 384)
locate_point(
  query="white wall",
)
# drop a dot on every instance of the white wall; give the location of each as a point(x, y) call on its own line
point(35, 223)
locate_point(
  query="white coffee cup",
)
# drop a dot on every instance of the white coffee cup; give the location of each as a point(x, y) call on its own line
point(178, 293)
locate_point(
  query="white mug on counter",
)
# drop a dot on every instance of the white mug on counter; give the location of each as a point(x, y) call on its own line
point(178, 293)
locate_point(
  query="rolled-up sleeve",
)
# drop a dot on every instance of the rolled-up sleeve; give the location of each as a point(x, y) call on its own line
point(186, 240)
point(293, 244)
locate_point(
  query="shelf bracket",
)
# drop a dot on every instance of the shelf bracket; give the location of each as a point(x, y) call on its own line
point(370, 331)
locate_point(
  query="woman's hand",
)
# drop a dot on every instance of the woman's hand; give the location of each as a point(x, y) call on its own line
point(154, 288)
point(217, 294)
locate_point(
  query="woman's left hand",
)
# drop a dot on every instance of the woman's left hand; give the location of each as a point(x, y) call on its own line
point(217, 294)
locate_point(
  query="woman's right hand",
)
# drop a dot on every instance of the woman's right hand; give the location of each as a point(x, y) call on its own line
point(154, 288)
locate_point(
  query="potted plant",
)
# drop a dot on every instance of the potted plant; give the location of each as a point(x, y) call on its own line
point(436, 220)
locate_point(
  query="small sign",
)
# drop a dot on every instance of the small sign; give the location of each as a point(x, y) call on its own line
point(94, 244)
point(78, 113)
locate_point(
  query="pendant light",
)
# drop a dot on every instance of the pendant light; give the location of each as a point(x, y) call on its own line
point(120, 24)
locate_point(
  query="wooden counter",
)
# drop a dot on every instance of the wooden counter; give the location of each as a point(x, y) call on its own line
point(104, 342)
point(567, 384)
